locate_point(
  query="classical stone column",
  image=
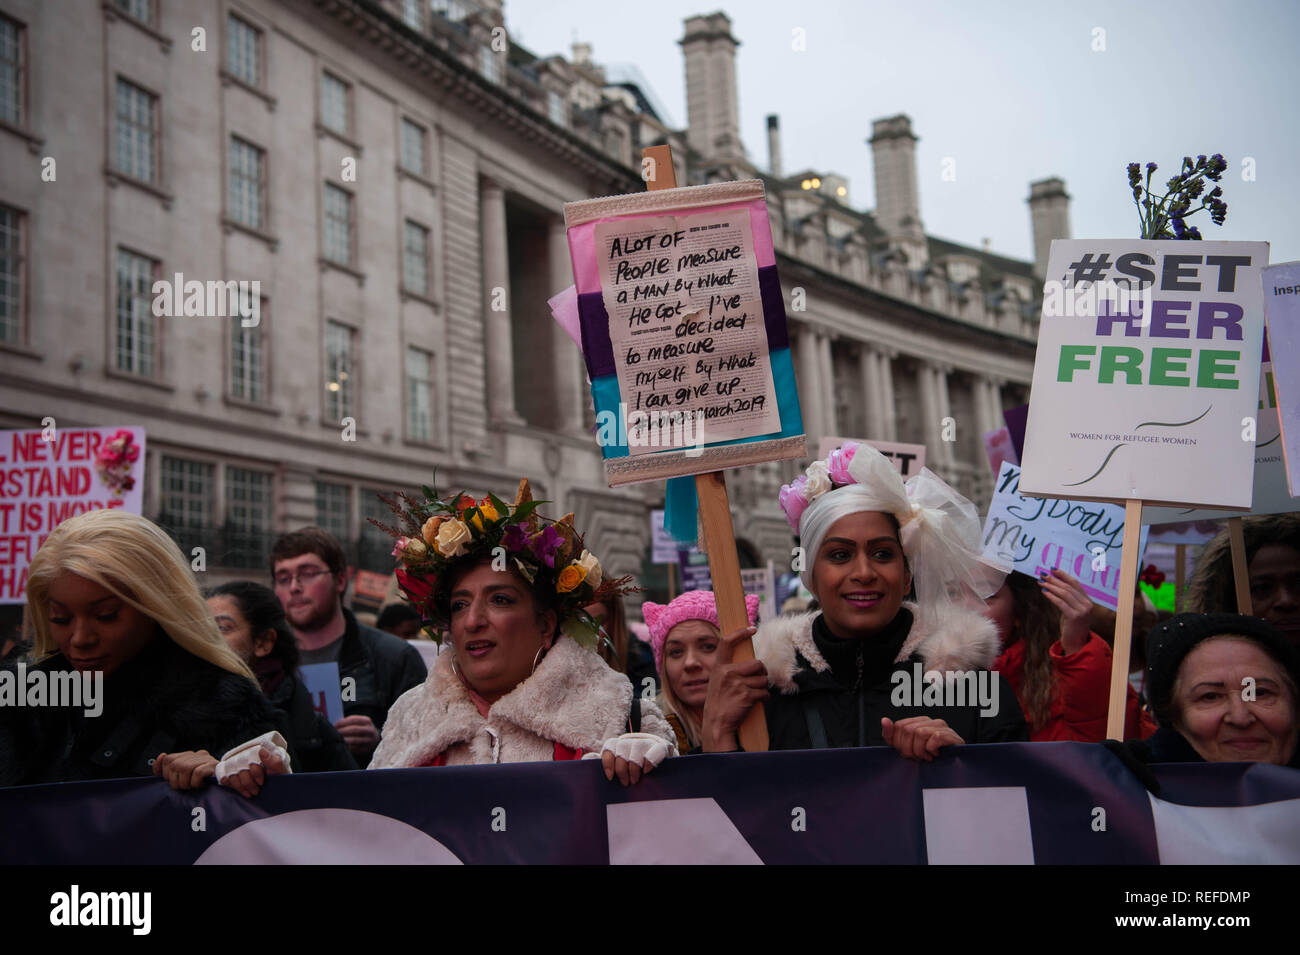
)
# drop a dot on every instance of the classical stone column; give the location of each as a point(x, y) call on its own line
point(826, 385)
point(872, 398)
point(929, 413)
point(943, 407)
point(809, 394)
point(498, 340)
point(889, 413)
point(993, 389)
point(568, 380)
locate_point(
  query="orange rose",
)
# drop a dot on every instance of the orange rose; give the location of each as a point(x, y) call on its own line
point(570, 578)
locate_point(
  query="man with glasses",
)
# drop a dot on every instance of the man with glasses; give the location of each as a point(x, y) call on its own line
point(309, 574)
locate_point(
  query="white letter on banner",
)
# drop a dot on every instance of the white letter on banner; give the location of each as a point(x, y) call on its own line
point(675, 832)
point(978, 826)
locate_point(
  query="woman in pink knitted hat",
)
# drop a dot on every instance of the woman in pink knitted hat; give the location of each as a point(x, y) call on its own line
point(684, 636)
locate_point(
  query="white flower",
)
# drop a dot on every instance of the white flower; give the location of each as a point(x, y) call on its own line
point(819, 480)
point(589, 564)
point(452, 535)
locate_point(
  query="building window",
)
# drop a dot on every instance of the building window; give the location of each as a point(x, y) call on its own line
point(333, 512)
point(419, 395)
point(13, 268)
point(340, 371)
point(141, 10)
point(558, 108)
point(489, 64)
point(248, 518)
point(136, 339)
point(244, 51)
point(248, 359)
point(412, 14)
point(247, 183)
point(413, 147)
point(187, 491)
point(453, 10)
point(376, 547)
point(136, 154)
point(415, 259)
point(334, 103)
point(12, 71)
point(338, 224)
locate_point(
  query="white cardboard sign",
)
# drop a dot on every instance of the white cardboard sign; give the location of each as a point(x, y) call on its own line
point(1147, 366)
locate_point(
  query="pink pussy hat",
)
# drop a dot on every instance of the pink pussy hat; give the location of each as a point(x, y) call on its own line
point(693, 605)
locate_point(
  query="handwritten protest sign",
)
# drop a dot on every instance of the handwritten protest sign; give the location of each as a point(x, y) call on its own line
point(1038, 534)
point(322, 682)
point(1282, 309)
point(908, 458)
point(683, 330)
point(1147, 366)
point(49, 475)
point(999, 447)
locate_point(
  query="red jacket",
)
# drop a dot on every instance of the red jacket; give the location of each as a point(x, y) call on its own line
point(1078, 710)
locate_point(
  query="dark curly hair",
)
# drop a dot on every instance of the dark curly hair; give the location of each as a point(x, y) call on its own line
point(1211, 588)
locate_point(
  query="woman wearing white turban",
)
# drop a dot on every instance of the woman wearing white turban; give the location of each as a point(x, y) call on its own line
point(873, 667)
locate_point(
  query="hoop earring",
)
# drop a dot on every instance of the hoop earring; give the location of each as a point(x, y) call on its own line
point(453, 666)
point(537, 658)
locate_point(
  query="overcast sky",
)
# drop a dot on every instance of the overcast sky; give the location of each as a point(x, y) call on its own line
point(1012, 91)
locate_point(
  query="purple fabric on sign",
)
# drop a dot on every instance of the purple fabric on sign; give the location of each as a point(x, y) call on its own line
point(1016, 419)
point(596, 346)
point(769, 286)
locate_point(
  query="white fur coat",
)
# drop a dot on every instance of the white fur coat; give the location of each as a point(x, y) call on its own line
point(949, 639)
point(573, 698)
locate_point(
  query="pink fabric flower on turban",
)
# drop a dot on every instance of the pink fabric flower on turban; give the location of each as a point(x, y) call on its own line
point(838, 463)
point(692, 605)
point(793, 500)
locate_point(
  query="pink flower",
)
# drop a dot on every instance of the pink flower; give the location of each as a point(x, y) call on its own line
point(400, 546)
point(838, 463)
point(793, 501)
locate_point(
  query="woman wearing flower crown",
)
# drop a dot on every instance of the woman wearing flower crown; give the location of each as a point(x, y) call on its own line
point(522, 681)
point(848, 675)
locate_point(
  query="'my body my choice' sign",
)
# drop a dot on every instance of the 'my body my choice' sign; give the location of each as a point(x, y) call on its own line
point(1147, 372)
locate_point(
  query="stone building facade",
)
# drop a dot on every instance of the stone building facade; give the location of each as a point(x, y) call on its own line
point(392, 174)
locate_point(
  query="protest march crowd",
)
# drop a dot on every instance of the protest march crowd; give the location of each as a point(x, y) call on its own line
point(914, 641)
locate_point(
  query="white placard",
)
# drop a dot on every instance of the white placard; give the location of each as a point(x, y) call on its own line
point(322, 682)
point(761, 582)
point(48, 475)
point(663, 549)
point(908, 458)
point(1147, 364)
point(1282, 309)
point(1035, 534)
point(686, 324)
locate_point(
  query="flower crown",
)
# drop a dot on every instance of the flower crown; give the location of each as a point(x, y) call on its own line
point(818, 478)
point(436, 535)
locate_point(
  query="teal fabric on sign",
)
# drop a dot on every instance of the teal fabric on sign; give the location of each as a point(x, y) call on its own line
point(680, 501)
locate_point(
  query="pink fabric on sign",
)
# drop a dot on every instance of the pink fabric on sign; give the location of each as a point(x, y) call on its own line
point(582, 240)
point(564, 309)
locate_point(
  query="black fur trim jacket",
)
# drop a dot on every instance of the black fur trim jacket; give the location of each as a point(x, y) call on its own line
point(164, 700)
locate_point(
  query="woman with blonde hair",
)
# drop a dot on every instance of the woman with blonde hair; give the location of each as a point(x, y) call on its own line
point(111, 597)
point(684, 636)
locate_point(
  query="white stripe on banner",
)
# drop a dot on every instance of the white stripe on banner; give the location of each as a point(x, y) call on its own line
point(327, 837)
point(675, 832)
point(986, 826)
point(1267, 834)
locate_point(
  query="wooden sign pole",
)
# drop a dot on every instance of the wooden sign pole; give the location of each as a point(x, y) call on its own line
point(1128, 575)
point(1240, 574)
point(715, 511)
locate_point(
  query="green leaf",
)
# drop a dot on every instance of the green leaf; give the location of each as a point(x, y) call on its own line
point(523, 510)
point(502, 509)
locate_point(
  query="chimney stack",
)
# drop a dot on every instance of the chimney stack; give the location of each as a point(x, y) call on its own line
point(712, 108)
point(898, 205)
point(774, 145)
point(1049, 213)
point(581, 54)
